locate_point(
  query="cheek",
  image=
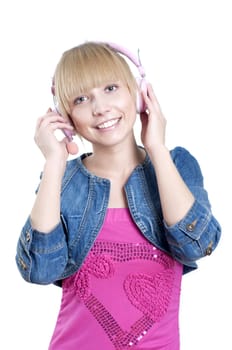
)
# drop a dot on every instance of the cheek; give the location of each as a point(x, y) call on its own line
point(130, 108)
point(74, 121)
point(77, 120)
point(128, 104)
point(81, 124)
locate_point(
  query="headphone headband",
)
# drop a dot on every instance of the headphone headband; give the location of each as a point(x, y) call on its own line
point(136, 60)
point(124, 51)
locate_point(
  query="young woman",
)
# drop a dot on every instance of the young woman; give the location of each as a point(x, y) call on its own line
point(116, 228)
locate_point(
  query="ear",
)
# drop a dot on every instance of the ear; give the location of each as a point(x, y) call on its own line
point(142, 87)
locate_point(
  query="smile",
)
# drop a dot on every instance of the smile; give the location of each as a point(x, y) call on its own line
point(108, 124)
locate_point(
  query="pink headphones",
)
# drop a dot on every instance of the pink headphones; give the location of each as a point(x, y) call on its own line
point(142, 86)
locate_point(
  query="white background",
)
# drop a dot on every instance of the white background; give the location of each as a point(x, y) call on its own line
point(186, 49)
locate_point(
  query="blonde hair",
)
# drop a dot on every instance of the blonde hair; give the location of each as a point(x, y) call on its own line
point(87, 66)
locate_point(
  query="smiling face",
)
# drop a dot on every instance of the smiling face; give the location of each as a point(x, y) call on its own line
point(104, 115)
point(97, 90)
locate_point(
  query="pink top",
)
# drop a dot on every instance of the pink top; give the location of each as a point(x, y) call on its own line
point(125, 296)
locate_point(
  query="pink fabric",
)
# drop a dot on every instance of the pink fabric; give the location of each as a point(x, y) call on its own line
point(125, 296)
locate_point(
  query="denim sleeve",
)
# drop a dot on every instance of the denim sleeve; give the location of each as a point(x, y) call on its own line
point(198, 233)
point(41, 257)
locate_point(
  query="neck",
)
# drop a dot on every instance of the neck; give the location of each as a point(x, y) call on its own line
point(118, 160)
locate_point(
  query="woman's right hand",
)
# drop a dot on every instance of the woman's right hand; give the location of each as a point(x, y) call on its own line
point(44, 137)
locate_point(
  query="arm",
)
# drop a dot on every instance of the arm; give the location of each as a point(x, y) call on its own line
point(190, 227)
point(176, 199)
point(42, 251)
point(45, 213)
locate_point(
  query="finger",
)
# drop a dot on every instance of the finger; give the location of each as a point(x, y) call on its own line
point(44, 117)
point(151, 95)
point(38, 122)
point(53, 118)
point(151, 101)
point(61, 126)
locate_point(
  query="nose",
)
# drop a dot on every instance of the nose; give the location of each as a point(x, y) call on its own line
point(99, 105)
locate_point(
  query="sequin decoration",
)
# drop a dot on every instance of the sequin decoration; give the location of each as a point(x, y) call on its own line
point(149, 294)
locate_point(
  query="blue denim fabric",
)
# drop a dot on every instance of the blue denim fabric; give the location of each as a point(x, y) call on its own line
point(49, 258)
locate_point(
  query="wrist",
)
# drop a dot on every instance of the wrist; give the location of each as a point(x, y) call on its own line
point(157, 150)
point(56, 167)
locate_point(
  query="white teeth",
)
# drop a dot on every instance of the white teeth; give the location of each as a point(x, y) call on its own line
point(108, 124)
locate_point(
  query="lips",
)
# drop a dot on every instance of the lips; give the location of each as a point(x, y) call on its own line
point(108, 124)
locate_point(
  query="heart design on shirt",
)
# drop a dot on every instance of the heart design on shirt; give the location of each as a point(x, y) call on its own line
point(150, 294)
point(98, 266)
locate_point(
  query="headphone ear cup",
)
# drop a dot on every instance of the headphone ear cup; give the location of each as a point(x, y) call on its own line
point(142, 87)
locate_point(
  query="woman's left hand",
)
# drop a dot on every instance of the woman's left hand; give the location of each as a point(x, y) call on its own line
point(153, 121)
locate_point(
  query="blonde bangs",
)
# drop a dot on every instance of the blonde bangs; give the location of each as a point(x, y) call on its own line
point(87, 66)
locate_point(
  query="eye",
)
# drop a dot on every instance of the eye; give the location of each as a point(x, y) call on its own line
point(111, 87)
point(80, 100)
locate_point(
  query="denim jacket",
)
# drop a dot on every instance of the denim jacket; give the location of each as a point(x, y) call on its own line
point(45, 258)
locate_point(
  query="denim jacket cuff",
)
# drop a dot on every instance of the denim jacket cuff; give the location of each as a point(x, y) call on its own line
point(193, 224)
point(195, 236)
point(40, 242)
point(33, 244)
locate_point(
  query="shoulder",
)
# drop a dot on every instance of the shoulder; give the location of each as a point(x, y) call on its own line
point(180, 153)
point(72, 167)
point(186, 163)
